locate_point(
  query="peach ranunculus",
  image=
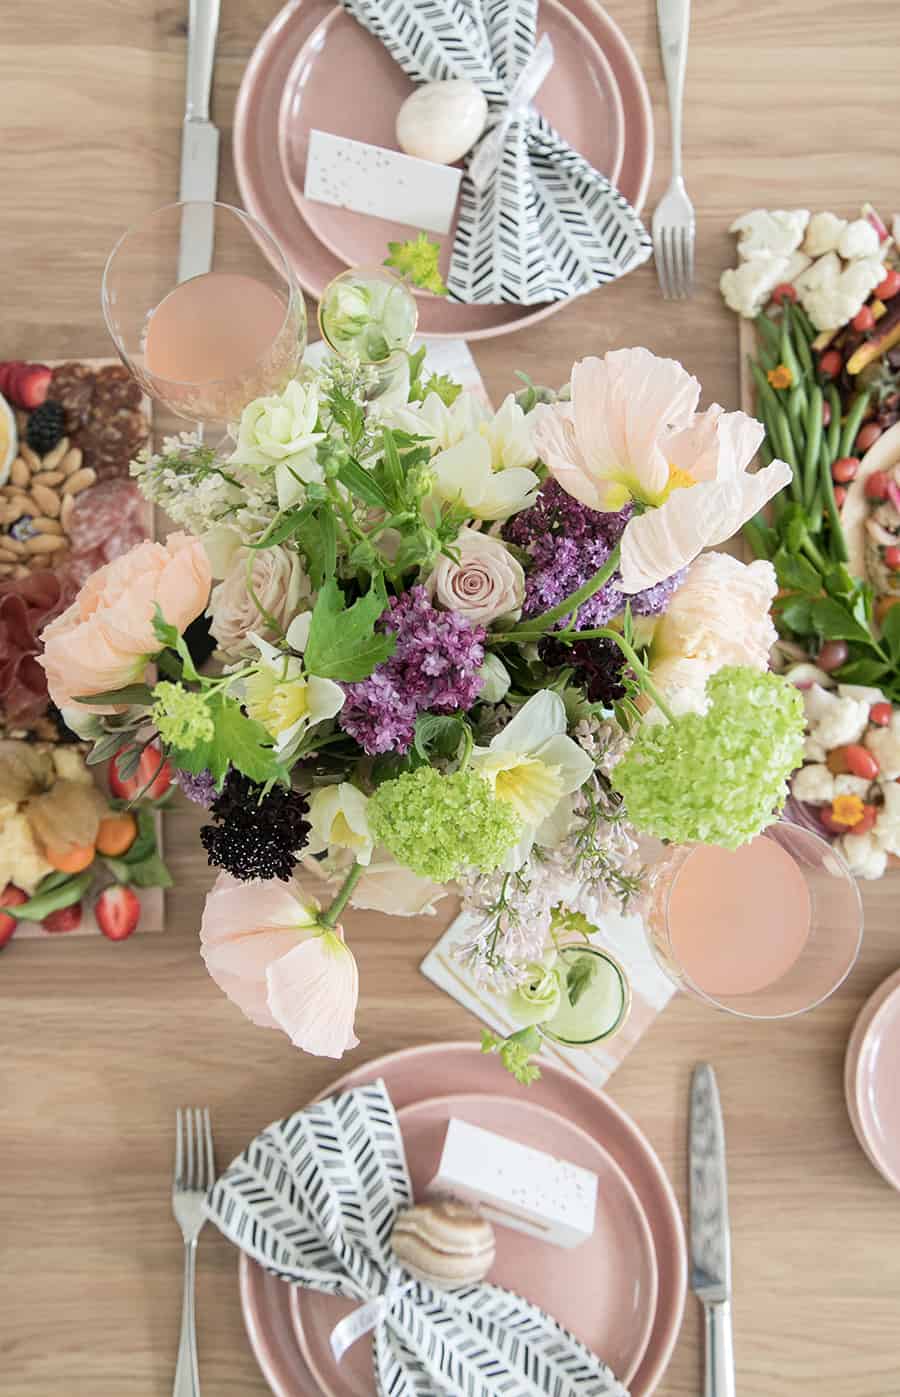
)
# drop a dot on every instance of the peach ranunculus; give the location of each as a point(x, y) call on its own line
point(720, 615)
point(263, 946)
point(486, 583)
point(632, 433)
point(105, 638)
point(281, 586)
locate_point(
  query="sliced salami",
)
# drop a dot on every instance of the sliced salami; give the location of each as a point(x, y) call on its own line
point(72, 385)
point(115, 388)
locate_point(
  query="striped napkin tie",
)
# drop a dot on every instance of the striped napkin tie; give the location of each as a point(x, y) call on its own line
point(546, 225)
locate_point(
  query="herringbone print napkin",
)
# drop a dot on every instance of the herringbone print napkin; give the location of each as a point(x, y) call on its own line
point(548, 225)
point(313, 1199)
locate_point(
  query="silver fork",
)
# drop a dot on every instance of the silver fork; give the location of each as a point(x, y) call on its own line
point(195, 1173)
point(674, 226)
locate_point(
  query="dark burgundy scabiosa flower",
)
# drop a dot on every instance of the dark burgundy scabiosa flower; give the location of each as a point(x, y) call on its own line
point(598, 666)
point(567, 542)
point(435, 667)
point(256, 835)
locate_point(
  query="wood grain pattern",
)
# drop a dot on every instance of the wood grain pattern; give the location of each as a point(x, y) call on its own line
point(786, 105)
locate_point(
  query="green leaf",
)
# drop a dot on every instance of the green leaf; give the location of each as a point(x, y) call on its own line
point(237, 740)
point(416, 391)
point(393, 468)
point(839, 582)
point(446, 388)
point(343, 643)
point(317, 537)
point(834, 622)
point(105, 747)
point(145, 839)
point(862, 671)
point(172, 639)
point(418, 259)
point(795, 572)
point(348, 414)
point(439, 734)
point(796, 613)
point(286, 527)
point(580, 975)
point(363, 484)
point(890, 633)
point(43, 903)
point(130, 694)
point(149, 872)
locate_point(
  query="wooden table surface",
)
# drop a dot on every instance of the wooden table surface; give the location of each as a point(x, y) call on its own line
point(786, 105)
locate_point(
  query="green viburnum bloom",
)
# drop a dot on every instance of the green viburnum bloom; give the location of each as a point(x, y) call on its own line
point(516, 1053)
point(721, 776)
point(440, 825)
point(181, 716)
point(538, 997)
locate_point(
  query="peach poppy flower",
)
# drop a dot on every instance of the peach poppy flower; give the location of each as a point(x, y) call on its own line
point(632, 433)
point(104, 639)
point(263, 947)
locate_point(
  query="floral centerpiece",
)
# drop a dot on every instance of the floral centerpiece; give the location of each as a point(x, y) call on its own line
point(459, 650)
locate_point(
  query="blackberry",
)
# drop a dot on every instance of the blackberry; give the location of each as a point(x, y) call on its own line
point(46, 427)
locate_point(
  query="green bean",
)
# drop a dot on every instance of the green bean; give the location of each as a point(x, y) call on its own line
point(809, 330)
point(788, 355)
point(779, 430)
point(813, 443)
point(37, 908)
point(834, 425)
point(854, 421)
point(769, 331)
point(836, 539)
point(801, 345)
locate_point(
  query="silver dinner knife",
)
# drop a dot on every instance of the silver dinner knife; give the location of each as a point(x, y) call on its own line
point(199, 143)
point(710, 1233)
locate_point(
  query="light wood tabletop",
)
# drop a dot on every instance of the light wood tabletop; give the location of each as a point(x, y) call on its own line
point(786, 105)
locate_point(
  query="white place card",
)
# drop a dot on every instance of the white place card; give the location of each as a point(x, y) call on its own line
point(382, 183)
point(517, 1186)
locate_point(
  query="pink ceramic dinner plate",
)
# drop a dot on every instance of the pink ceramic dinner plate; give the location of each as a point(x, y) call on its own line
point(267, 196)
point(579, 96)
point(871, 1082)
point(416, 1074)
point(612, 1316)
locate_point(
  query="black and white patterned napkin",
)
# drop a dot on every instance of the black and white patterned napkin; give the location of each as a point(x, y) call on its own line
point(313, 1199)
point(547, 225)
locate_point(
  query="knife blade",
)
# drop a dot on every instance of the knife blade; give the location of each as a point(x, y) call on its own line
point(710, 1230)
point(199, 144)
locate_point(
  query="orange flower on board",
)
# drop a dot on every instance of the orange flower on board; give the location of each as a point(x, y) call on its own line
point(780, 376)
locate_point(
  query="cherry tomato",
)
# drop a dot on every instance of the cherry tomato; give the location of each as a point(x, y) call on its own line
point(844, 470)
point(826, 412)
point(833, 826)
point(863, 320)
point(784, 291)
point(889, 287)
point(832, 655)
point(870, 815)
point(876, 487)
point(892, 557)
point(840, 495)
point(867, 436)
point(830, 363)
point(881, 714)
point(861, 762)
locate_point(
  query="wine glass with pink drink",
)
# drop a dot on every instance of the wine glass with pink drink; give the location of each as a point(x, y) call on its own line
point(765, 931)
point(207, 346)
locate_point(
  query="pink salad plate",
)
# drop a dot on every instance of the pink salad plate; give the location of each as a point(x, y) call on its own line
point(267, 195)
point(580, 96)
point(415, 1075)
point(613, 1315)
point(872, 1082)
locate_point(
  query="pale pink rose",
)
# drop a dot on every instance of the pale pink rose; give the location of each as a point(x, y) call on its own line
point(631, 432)
point(720, 615)
point(280, 584)
point(487, 582)
point(105, 637)
point(262, 946)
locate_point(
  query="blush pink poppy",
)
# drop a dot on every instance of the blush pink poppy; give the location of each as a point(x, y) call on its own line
point(104, 639)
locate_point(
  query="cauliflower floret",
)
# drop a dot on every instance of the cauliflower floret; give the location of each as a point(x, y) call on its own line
point(797, 265)
point(821, 273)
point(813, 751)
point(887, 826)
point(847, 785)
point(834, 721)
point(823, 233)
point(813, 784)
point(862, 277)
point(748, 287)
point(858, 239)
point(831, 296)
point(775, 232)
point(884, 744)
point(861, 691)
point(865, 858)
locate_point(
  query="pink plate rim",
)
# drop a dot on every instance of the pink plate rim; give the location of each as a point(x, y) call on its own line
point(866, 1023)
point(449, 1100)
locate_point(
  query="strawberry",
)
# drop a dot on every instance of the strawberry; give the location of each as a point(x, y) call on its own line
point(64, 919)
point(117, 910)
point(11, 896)
point(7, 369)
point(153, 768)
point(29, 385)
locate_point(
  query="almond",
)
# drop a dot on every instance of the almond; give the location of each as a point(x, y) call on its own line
point(20, 570)
point(31, 458)
point(6, 569)
point(65, 516)
point(53, 458)
point(12, 545)
point(44, 543)
point(79, 481)
point(43, 525)
point(48, 478)
point(19, 473)
point(47, 500)
point(6, 556)
point(71, 462)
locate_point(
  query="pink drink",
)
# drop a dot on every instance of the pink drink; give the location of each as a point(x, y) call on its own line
point(212, 327)
point(738, 921)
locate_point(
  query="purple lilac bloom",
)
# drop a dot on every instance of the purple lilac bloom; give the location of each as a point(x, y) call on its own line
point(200, 788)
point(567, 542)
point(435, 666)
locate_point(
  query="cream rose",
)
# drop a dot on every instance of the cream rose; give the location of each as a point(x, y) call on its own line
point(279, 582)
point(487, 582)
point(278, 428)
